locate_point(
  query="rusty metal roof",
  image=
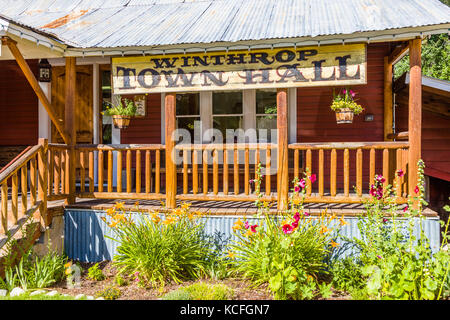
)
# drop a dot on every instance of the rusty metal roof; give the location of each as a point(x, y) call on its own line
point(131, 23)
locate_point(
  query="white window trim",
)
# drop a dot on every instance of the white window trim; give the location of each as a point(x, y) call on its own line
point(249, 112)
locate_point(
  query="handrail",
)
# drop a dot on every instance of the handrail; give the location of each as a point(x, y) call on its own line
point(18, 163)
point(226, 146)
point(349, 145)
point(114, 147)
point(15, 159)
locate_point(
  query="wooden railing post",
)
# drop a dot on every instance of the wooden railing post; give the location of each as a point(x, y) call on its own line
point(415, 111)
point(282, 159)
point(43, 181)
point(171, 169)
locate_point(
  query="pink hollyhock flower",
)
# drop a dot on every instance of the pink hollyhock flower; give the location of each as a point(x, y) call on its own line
point(400, 173)
point(296, 188)
point(372, 190)
point(246, 225)
point(287, 229)
point(253, 227)
point(379, 257)
point(295, 224)
point(353, 93)
point(251, 181)
point(312, 178)
point(297, 216)
point(416, 190)
point(306, 213)
point(302, 183)
point(380, 179)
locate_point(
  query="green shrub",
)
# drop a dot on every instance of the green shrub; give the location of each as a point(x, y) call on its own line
point(201, 291)
point(392, 261)
point(109, 293)
point(95, 273)
point(120, 280)
point(287, 252)
point(156, 250)
point(33, 272)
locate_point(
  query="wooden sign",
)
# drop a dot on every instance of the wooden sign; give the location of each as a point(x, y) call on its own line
point(245, 69)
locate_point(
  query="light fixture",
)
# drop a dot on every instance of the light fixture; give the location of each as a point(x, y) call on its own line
point(45, 71)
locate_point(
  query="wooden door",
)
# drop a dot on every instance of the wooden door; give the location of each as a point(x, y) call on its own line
point(83, 102)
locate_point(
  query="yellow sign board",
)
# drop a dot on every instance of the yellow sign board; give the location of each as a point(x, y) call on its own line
point(244, 69)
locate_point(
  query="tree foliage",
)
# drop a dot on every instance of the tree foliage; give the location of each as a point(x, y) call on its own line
point(435, 56)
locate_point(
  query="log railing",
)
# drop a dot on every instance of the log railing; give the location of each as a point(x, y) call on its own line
point(119, 171)
point(348, 169)
point(217, 172)
point(58, 171)
point(222, 172)
point(23, 185)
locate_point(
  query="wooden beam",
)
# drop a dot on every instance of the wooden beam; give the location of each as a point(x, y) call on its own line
point(388, 105)
point(70, 124)
point(415, 111)
point(282, 163)
point(398, 53)
point(171, 169)
point(12, 45)
point(404, 135)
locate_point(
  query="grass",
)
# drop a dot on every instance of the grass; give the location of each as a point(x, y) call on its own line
point(42, 296)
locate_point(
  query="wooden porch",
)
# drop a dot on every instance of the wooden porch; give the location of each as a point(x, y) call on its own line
point(76, 173)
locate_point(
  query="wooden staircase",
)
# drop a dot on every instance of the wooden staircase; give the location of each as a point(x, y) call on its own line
point(23, 202)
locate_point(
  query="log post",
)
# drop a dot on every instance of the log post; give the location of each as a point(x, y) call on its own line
point(69, 115)
point(415, 111)
point(282, 155)
point(43, 181)
point(171, 169)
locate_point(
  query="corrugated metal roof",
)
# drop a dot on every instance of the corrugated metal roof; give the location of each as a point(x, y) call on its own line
point(121, 23)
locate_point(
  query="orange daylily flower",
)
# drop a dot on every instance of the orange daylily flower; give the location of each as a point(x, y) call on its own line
point(119, 205)
point(334, 244)
point(342, 221)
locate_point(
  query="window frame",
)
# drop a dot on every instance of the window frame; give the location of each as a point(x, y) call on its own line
point(248, 108)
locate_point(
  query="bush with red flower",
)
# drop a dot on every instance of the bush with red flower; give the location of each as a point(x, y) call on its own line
point(287, 251)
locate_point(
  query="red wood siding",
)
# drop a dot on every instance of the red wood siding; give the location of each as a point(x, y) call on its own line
point(435, 136)
point(147, 129)
point(18, 106)
point(316, 122)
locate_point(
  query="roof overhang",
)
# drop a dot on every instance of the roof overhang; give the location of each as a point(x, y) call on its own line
point(32, 44)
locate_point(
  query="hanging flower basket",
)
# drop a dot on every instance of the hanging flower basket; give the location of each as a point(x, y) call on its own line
point(345, 106)
point(121, 122)
point(121, 113)
point(344, 116)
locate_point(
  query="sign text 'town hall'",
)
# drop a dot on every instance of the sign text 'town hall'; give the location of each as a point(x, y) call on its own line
point(245, 69)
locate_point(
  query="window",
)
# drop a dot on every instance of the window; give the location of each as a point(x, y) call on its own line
point(244, 109)
point(106, 103)
point(188, 111)
point(227, 111)
point(266, 114)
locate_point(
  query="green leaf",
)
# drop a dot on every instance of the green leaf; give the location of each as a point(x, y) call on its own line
point(430, 284)
point(426, 294)
point(275, 282)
